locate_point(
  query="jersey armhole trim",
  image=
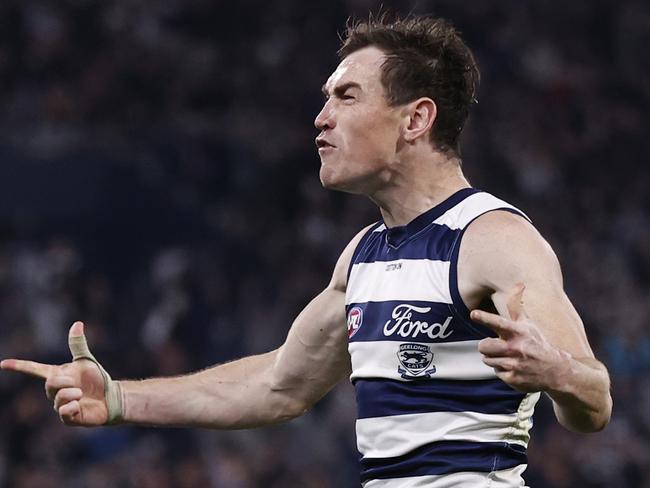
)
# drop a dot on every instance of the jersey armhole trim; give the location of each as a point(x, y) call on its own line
point(360, 247)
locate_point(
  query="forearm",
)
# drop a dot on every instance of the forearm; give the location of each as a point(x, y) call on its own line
point(235, 395)
point(581, 396)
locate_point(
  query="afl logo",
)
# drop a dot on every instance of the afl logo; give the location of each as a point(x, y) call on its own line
point(355, 317)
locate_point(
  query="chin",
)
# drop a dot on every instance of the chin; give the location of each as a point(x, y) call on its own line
point(328, 180)
point(332, 181)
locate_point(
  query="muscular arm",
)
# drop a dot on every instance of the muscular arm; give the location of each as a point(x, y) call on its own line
point(250, 392)
point(257, 390)
point(542, 343)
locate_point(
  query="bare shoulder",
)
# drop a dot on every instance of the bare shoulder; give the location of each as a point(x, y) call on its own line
point(340, 275)
point(502, 246)
point(501, 251)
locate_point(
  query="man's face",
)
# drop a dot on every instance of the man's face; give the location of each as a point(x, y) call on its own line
point(359, 132)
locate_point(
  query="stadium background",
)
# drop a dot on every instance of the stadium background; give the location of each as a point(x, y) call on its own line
point(158, 179)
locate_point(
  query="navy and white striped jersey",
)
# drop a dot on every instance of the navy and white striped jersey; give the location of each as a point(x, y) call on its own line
point(430, 412)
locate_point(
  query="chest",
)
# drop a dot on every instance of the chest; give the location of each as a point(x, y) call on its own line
point(403, 293)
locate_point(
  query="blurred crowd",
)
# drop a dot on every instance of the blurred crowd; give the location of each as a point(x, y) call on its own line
point(159, 180)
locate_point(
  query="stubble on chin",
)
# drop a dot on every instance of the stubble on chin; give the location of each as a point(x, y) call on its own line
point(327, 177)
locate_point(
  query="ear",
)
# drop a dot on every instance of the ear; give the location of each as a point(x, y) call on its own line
point(420, 116)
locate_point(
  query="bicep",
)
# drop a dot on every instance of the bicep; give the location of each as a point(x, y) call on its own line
point(511, 251)
point(549, 307)
point(315, 355)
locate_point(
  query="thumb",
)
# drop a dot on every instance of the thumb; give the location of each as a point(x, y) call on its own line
point(516, 303)
point(77, 342)
point(77, 329)
point(112, 390)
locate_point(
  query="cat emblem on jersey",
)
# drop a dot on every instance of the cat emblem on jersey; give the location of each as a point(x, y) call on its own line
point(415, 361)
point(355, 318)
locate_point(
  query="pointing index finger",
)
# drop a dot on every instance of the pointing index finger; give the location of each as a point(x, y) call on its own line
point(498, 324)
point(32, 368)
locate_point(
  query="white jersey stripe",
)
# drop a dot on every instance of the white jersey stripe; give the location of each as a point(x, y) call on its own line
point(452, 360)
point(405, 279)
point(393, 436)
point(459, 216)
point(505, 478)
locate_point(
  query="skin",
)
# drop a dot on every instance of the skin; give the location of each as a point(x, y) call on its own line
point(383, 152)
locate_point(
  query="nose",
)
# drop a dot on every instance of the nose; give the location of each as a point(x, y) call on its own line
point(325, 118)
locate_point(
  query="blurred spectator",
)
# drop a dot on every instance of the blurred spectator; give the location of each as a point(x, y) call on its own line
point(159, 181)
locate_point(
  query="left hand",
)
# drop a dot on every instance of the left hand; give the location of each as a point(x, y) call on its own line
point(521, 356)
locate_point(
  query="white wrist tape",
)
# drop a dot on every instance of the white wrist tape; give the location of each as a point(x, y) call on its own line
point(112, 390)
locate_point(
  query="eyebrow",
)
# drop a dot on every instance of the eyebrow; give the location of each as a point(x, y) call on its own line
point(341, 89)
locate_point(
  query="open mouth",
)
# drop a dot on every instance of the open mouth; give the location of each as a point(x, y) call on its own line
point(323, 144)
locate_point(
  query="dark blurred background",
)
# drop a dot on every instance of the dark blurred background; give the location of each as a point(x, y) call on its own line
point(159, 180)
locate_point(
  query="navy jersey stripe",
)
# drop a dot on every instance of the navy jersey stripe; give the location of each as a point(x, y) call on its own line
point(377, 314)
point(435, 245)
point(445, 457)
point(382, 398)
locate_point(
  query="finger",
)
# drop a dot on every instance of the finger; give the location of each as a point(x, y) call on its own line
point(515, 303)
point(32, 368)
point(69, 411)
point(501, 364)
point(54, 383)
point(493, 347)
point(77, 342)
point(66, 395)
point(500, 325)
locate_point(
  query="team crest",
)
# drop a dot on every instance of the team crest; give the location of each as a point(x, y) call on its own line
point(415, 361)
point(355, 318)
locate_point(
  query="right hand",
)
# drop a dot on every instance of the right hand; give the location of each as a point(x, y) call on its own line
point(81, 390)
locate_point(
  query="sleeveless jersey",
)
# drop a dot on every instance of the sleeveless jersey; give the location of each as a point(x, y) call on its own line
point(430, 412)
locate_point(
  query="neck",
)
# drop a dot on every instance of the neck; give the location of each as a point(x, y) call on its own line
point(413, 188)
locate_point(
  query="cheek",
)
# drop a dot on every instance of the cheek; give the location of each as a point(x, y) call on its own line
point(374, 141)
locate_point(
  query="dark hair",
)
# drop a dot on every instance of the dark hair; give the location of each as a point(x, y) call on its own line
point(425, 57)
